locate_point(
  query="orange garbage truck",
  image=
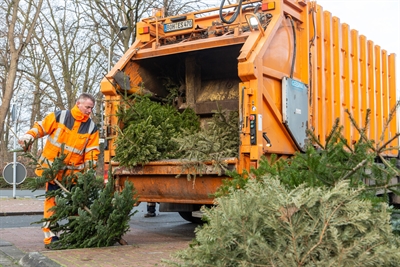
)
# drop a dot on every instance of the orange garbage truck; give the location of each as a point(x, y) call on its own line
point(283, 65)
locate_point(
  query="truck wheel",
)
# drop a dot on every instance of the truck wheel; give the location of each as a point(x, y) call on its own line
point(187, 215)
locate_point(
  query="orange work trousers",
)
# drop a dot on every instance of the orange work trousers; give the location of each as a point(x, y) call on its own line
point(48, 204)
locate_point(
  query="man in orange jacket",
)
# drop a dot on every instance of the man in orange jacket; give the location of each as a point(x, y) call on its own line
point(78, 133)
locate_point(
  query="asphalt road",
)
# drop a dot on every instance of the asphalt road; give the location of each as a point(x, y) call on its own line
point(20, 221)
point(163, 222)
point(165, 225)
point(22, 193)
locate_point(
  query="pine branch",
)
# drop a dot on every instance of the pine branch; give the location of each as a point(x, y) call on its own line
point(386, 125)
point(357, 167)
point(314, 138)
point(67, 191)
point(383, 147)
point(389, 166)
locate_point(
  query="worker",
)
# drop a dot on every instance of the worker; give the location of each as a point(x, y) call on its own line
point(78, 134)
point(151, 209)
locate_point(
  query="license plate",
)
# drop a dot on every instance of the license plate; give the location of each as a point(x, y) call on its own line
point(180, 25)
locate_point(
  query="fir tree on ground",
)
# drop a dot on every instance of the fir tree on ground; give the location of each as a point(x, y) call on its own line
point(313, 209)
point(88, 213)
point(267, 224)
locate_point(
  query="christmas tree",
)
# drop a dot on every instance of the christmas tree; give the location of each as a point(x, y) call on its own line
point(148, 128)
point(88, 213)
point(313, 209)
point(267, 224)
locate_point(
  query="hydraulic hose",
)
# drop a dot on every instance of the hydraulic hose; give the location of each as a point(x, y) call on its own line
point(310, 54)
point(233, 18)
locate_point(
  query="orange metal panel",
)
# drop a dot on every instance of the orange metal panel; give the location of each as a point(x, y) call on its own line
point(371, 90)
point(337, 70)
point(320, 83)
point(158, 181)
point(329, 88)
point(194, 46)
point(346, 86)
point(111, 121)
point(169, 189)
point(356, 76)
point(363, 78)
point(385, 95)
point(378, 93)
point(166, 181)
point(355, 82)
point(393, 129)
point(167, 167)
point(302, 70)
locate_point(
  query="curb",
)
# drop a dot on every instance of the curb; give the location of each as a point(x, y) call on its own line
point(33, 259)
point(20, 213)
point(18, 258)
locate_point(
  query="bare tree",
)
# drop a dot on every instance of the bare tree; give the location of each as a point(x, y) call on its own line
point(109, 15)
point(68, 50)
point(20, 19)
point(70, 54)
point(175, 7)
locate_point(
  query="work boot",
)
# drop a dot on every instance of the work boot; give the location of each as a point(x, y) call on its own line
point(51, 245)
point(151, 210)
point(150, 214)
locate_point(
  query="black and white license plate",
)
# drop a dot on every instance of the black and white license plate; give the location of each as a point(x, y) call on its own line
point(180, 25)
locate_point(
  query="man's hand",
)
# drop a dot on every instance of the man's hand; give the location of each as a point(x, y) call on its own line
point(26, 141)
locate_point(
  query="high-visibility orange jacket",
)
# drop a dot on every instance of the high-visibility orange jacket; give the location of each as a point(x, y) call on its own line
point(76, 131)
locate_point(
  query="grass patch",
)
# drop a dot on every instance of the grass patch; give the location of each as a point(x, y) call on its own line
point(23, 185)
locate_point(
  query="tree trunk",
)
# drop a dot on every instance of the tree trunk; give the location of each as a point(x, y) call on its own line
point(9, 89)
point(14, 38)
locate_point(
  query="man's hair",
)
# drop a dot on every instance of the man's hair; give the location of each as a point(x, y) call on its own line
point(85, 96)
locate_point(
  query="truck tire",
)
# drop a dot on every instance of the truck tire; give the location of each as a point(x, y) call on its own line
point(187, 215)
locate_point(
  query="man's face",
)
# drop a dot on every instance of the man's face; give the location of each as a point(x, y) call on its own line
point(85, 106)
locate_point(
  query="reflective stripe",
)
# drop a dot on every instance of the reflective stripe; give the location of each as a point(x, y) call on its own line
point(91, 148)
point(68, 148)
point(46, 230)
point(41, 126)
point(48, 234)
point(74, 150)
point(67, 167)
point(75, 167)
point(56, 135)
point(62, 116)
point(91, 127)
point(36, 131)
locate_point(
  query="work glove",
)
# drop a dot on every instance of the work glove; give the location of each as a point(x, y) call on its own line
point(25, 141)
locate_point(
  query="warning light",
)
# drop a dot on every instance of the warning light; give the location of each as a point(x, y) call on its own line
point(252, 117)
point(144, 30)
point(268, 6)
